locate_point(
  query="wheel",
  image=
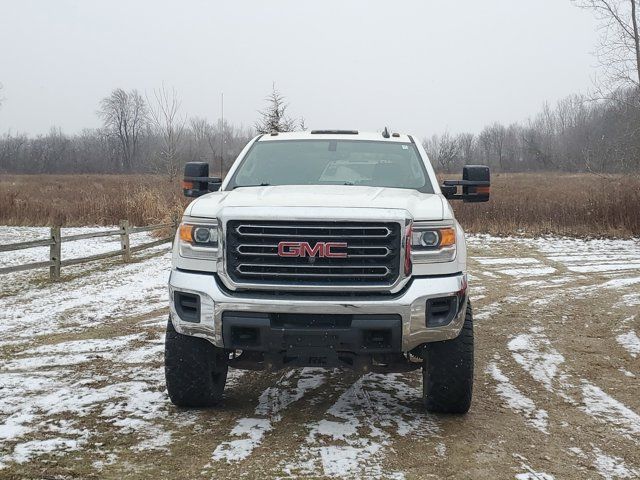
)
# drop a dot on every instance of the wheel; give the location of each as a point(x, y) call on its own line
point(447, 371)
point(195, 370)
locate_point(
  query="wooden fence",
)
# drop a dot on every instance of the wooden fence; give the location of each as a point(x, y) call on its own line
point(54, 242)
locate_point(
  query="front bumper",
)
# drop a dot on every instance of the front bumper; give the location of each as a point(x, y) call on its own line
point(410, 305)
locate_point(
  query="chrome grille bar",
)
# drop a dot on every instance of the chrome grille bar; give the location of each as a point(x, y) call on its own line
point(382, 232)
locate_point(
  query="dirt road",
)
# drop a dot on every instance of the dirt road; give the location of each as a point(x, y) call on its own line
point(557, 388)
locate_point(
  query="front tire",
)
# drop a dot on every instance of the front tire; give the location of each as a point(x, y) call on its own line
point(195, 370)
point(447, 371)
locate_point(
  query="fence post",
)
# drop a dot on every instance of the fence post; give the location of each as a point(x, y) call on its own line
point(124, 240)
point(55, 254)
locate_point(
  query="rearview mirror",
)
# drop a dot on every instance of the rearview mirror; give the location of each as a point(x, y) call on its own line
point(197, 181)
point(476, 185)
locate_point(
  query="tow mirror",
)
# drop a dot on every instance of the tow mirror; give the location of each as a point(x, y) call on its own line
point(197, 181)
point(475, 183)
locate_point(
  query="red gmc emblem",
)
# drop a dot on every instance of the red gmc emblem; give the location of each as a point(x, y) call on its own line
point(304, 249)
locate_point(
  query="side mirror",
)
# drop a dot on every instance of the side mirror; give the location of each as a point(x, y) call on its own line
point(196, 180)
point(476, 185)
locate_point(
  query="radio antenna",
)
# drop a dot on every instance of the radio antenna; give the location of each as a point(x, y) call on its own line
point(222, 134)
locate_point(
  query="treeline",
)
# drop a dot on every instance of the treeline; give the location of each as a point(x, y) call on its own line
point(578, 134)
point(99, 151)
point(141, 135)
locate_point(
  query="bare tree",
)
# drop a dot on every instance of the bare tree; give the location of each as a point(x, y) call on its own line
point(466, 144)
point(165, 118)
point(492, 139)
point(619, 48)
point(274, 118)
point(10, 146)
point(204, 138)
point(124, 115)
point(443, 150)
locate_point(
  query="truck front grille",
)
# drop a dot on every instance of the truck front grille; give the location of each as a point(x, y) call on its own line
point(372, 253)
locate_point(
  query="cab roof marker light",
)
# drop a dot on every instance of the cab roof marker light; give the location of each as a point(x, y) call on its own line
point(334, 132)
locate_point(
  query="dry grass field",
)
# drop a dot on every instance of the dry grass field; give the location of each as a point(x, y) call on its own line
point(79, 200)
point(583, 205)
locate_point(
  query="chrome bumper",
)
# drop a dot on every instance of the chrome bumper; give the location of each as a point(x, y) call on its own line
point(410, 305)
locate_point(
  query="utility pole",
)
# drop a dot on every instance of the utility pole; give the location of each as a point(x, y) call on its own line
point(222, 135)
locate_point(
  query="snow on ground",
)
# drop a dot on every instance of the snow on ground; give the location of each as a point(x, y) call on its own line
point(602, 406)
point(536, 355)
point(533, 351)
point(528, 272)
point(487, 311)
point(353, 442)
point(271, 404)
point(518, 401)
point(87, 298)
point(610, 467)
point(631, 342)
point(42, 383)
point(82, 359)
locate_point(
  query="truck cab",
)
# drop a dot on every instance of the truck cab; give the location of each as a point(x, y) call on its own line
point(328, 248)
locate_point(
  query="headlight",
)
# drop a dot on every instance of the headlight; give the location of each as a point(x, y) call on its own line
point(432, 244)
point(199, 235)
point(423, 238)
point(199, 241)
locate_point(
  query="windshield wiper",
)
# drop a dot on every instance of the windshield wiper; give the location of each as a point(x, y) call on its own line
point(264, 184)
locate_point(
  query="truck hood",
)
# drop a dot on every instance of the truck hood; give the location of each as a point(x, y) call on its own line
point(420, 206)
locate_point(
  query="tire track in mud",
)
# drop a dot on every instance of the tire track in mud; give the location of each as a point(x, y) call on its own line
point(273, 402)
point(357, 432)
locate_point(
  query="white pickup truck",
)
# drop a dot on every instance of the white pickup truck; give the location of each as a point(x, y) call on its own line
point(329, 248)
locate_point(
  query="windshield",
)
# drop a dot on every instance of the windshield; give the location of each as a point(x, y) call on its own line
point(332, 162)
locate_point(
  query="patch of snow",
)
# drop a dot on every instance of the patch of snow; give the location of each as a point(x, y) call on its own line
point(534, 476)
point(490, 274)
point(611, 467)
point(599, 267)
point(346, 461)
point(528, 272)
point(506, 261)
point(631, 342)
point(24, 452)
point(620, 283)
point(271, 403)
point(630, 299)
point(602, 406)
point(362, 419)
point(487, 311)
point(254, 429)
point(535, 354)
point(517, 401)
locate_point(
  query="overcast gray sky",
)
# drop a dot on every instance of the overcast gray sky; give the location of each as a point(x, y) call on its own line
point(417, 66)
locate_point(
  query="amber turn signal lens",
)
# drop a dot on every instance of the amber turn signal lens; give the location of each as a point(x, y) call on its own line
point(187, 185)
point(483, 190)
point(447, 237)
point(186, 232)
